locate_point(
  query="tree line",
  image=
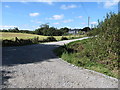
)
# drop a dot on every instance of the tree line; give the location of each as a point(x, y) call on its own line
point(45, 30)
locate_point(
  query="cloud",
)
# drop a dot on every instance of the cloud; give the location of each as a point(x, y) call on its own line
point(110, 3)
point(93, 22)
point(50, 3)
point(56, 17)
point(56, 23)
point(7, 6)
point(35, 21)
point(83, 23)
point(38, 22)
point(69, 20)
point(24, 2)
point(80, 16)
point(65, 7)
point(34, 14)
point(7, 26)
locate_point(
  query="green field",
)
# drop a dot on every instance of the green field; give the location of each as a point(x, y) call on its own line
point(11, 36)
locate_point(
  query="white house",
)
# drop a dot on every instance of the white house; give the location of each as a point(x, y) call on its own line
point(73, 31)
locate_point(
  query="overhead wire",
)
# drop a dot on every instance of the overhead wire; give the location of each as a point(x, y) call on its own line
point(84, 9)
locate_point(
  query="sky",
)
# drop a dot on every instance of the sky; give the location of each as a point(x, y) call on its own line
point(30, 15)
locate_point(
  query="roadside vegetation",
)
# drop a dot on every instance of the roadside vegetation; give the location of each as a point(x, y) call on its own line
point(100, 52)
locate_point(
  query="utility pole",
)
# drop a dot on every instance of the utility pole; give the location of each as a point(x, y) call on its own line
point(91, 25)
point(88, 21)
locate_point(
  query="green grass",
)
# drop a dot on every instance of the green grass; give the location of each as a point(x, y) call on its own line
point(9, 36)
point(82, 54)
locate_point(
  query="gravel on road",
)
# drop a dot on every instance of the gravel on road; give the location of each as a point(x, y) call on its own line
point(36, 66)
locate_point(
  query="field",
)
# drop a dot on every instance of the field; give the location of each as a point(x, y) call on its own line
point(11, 36)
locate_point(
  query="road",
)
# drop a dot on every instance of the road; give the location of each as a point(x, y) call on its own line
point(36, 66)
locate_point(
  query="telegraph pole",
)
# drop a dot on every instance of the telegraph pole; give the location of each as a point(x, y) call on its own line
point(91, 25)
point(88, 21)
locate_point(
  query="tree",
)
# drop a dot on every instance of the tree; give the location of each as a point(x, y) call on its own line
point(16, 28)
point(64, 30)
point(42, 29)
point(39, 31)
point(44, 26)
point(86, 29)
point(48, 31)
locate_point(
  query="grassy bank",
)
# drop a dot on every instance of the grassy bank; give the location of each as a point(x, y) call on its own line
point(82, 54)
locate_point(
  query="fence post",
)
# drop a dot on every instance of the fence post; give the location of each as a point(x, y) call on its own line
point(16, 39)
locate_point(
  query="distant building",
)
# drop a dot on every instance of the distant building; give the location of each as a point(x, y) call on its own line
point(73, 31)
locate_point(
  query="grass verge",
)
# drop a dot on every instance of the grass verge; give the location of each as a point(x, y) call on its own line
point(82, 54)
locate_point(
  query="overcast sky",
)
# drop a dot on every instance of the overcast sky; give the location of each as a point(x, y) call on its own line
point(30, 15)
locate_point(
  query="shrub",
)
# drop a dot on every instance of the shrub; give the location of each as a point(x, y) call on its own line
point(72, 37)
point(49, 39)
point(64, 38)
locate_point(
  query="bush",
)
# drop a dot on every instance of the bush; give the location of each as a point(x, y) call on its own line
point(49, 39)
point(86, 29)
point(64, 38)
